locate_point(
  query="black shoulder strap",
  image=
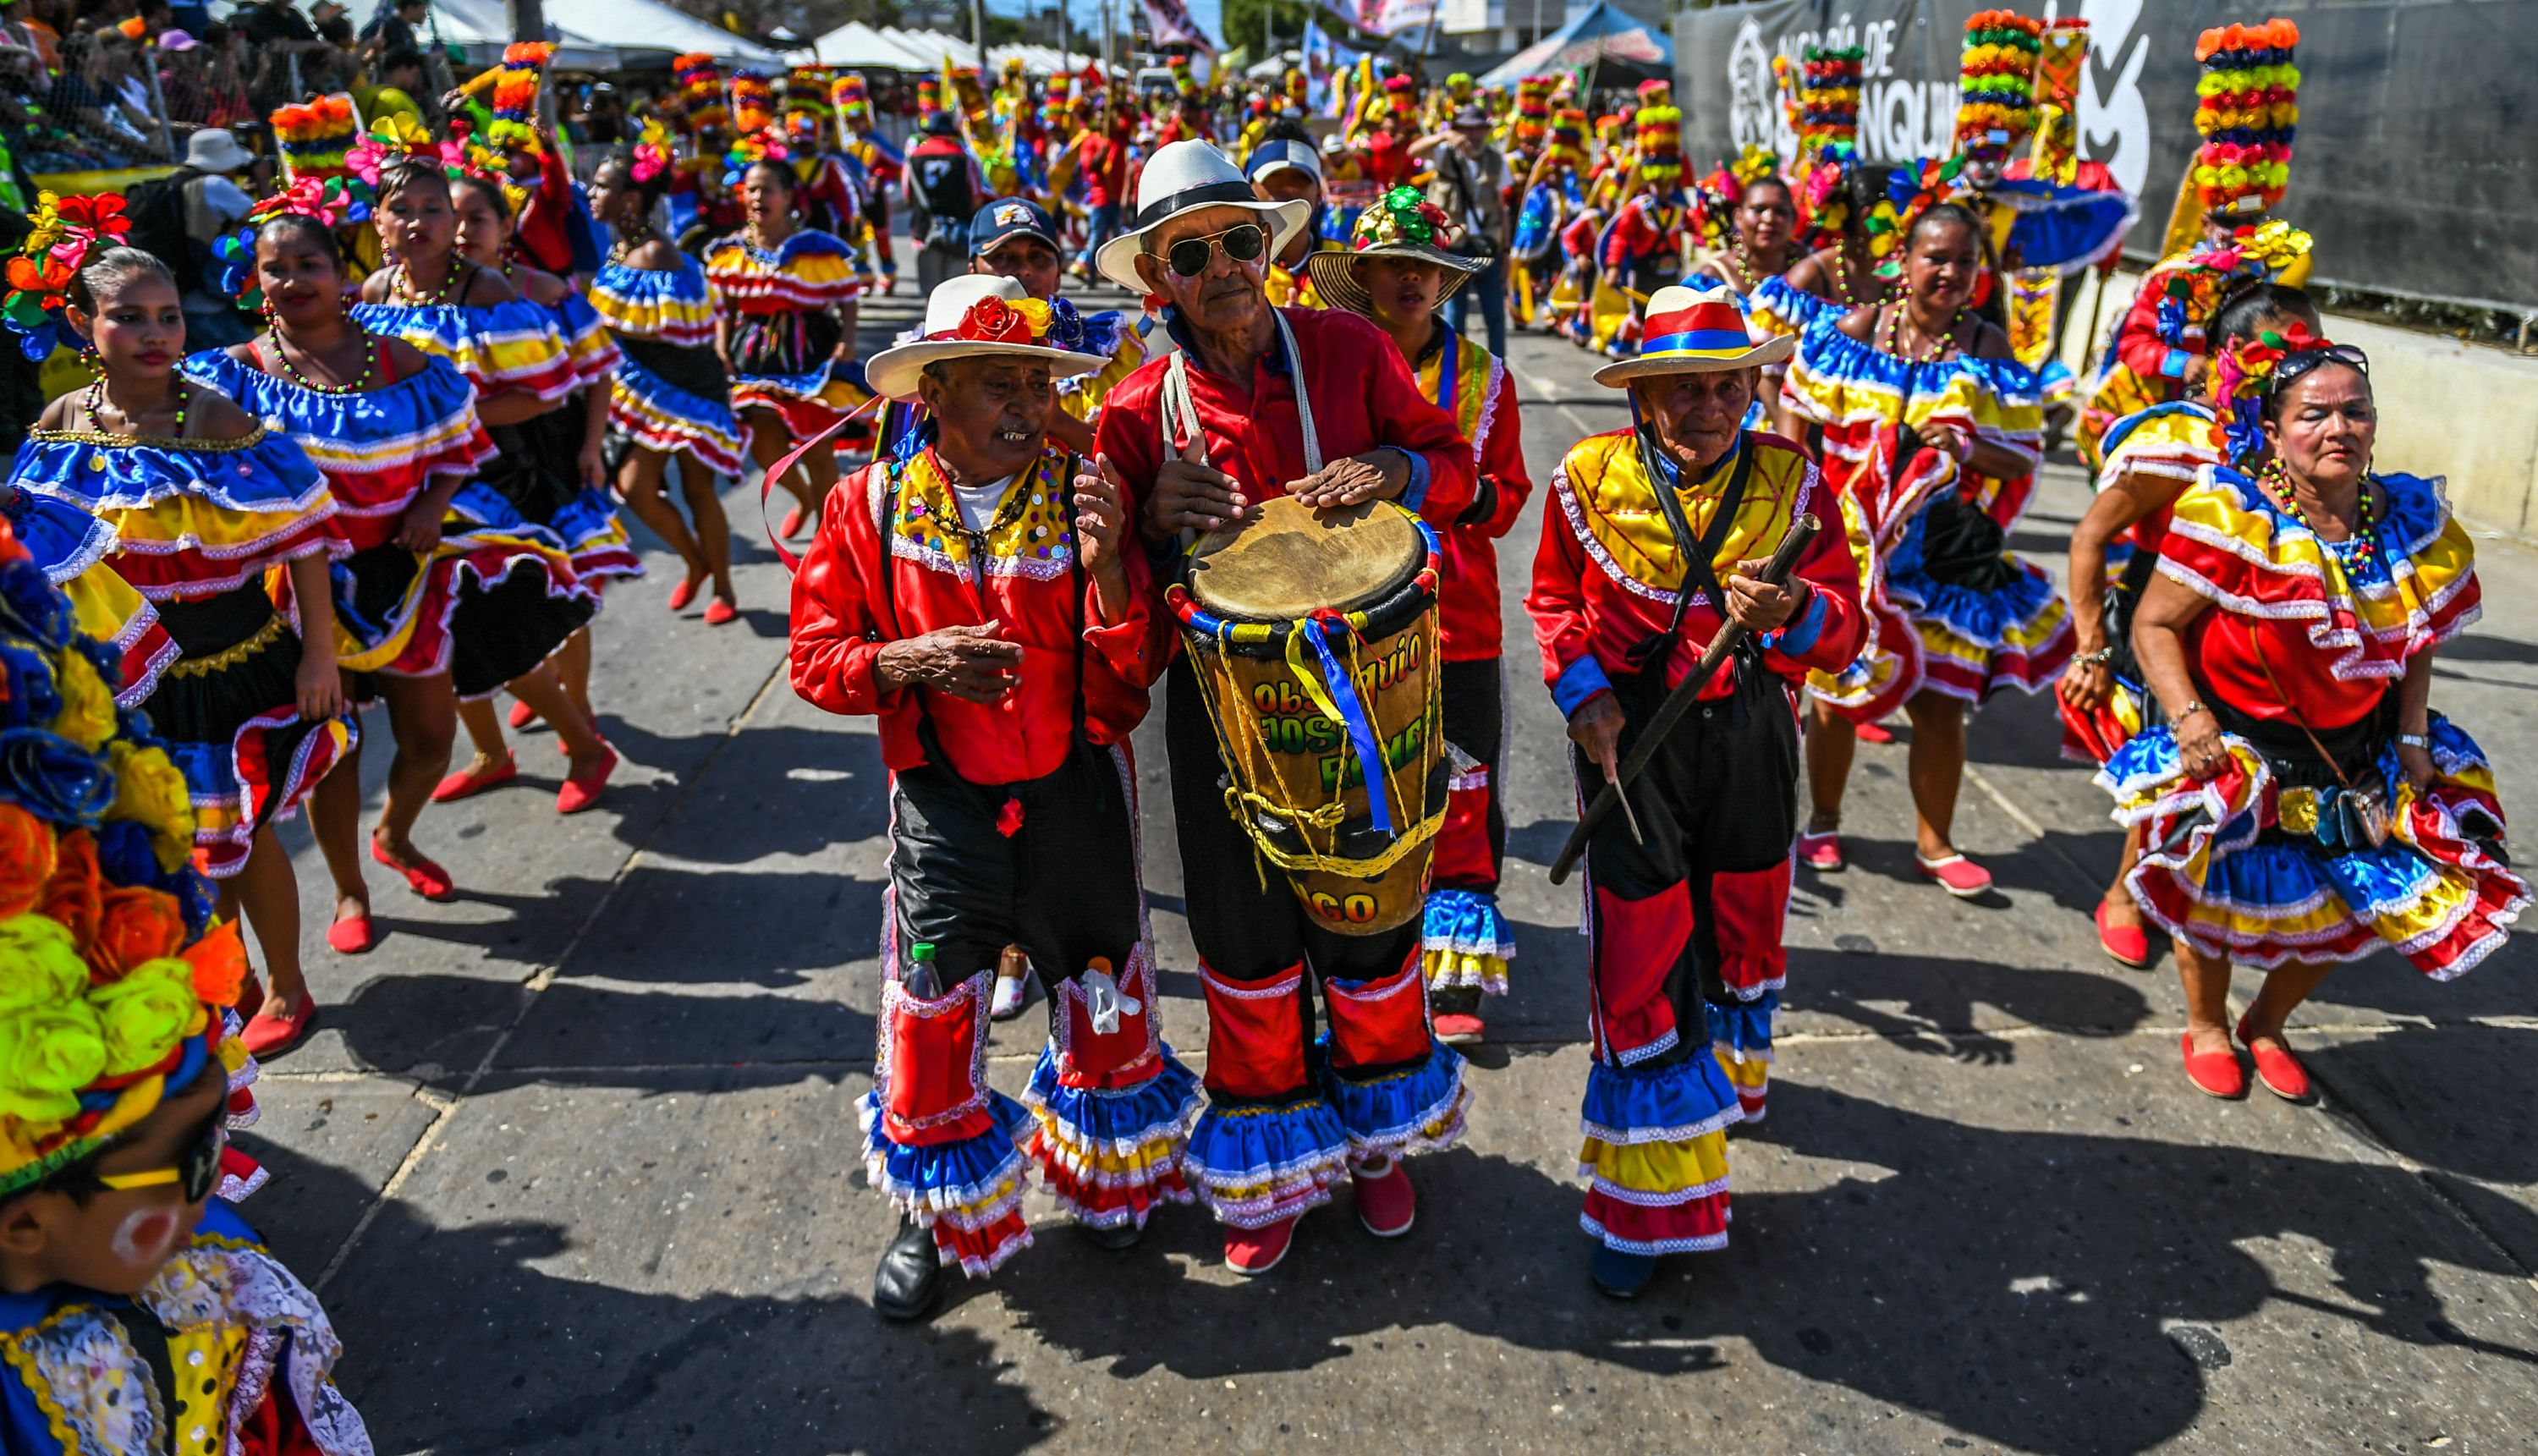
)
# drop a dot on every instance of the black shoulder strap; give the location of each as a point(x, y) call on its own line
point(1698, 575)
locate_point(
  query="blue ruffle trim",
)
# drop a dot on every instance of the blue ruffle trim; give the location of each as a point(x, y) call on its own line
point(1835, 355)
point(1124, 1121)
point(2059, 226)
point(1415, 1109)
point(1668, 1105)
point(2412, 515)
point(412, 406)
point(63, 539)
point(1983, 618)
point(1255, 1165)
point(711, 416)
point(452, 325)
point(586, 518)
point(1801, 309)
point(1742, 1032)
point(808, 240)
point(647, 286)
point(1467, 922)
point(486, 508)
point(271, 477)
point(947, 1176)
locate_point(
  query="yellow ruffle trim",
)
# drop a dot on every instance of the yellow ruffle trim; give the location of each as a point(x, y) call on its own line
point(1656, 1167)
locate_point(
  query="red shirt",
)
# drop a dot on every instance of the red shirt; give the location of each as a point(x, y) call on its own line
point(1481, 392)
point(856, 593)
point(1363, 396)
point(1606, 572)
point(1104, 161)
point(1388, 163)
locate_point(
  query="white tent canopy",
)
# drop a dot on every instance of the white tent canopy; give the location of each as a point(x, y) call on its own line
point(636, 30)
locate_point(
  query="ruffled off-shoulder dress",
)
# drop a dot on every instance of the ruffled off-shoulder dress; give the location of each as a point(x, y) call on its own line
point(670, 394)
point(198, 523)
point(2299, 656)
point(70, 547)
point(782, 333)
point(1951, 608)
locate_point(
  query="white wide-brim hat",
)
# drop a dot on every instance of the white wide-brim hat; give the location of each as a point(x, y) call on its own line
point(1184, 177)
point(1692, 331)
point(894, 370)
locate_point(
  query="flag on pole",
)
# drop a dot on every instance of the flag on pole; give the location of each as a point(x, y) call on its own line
point(1392, 17)
point(1168, 23)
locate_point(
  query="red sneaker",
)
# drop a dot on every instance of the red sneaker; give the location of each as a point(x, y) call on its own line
point(1257, 1251)
point(2280, 1071)
point(1956, 874)
point(1820, 852)
point(2129, 945)
point(2215, 1074)
point(1386, 1204)
point(1460, 1029)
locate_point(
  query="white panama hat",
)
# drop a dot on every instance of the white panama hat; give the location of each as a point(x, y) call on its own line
point(893, 372)
point(1184, 177)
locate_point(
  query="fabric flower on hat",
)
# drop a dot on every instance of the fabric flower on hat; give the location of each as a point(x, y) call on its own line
point(25, 860)
point(993, 322)
point(75, 891)
point(87, 718)
point(47, 1053)
point(30, 605)
point(52, 777)
point(135, 925)
point(141, 1016)
point(218, 964)
point(150, 790)
point(39, 964)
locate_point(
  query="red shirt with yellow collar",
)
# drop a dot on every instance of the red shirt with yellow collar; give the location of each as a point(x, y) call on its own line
point(1463, 376)
point(868, 581)
point(1608, 570)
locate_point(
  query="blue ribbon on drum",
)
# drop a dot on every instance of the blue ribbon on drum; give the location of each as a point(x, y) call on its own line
point(1338, 698)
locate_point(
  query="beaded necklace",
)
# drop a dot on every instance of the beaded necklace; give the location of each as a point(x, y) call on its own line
point(1841, 271)
point(2361, 544)
point(96, 408)
point(405, 293)
point(370, 366)
point(630, 242)
point(1942, 344)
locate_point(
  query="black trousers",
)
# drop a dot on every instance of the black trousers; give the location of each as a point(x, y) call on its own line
point(1063, 886)
point(1247, 930)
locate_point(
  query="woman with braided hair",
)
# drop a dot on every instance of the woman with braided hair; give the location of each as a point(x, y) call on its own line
point(2302, 804)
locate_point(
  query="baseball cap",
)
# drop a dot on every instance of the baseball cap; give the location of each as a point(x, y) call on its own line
point(1009, 217)
point(1275, 156)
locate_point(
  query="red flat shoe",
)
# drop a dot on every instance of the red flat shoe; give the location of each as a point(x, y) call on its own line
point(422, 877)
point(1257, 1251)
point(2215, 1074)
point(682, 594)
point(2127, 945)
point(267, 1036)
point(719, 612)
point(522, 715)
point(352, 937)
point(473, 780)
point(1876, 733)
point(582, 790)
point(2280, 1071)
point(1386, 1204)
point(791, 523)
point(1460, 1029)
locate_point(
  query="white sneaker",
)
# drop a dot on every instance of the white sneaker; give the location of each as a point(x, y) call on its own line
point(1013, 993)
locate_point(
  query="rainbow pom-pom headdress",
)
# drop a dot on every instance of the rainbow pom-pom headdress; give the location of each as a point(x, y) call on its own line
point(1996, 105)
point(2247, 106)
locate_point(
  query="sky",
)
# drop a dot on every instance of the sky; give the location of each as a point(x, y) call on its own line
point(1088, 13)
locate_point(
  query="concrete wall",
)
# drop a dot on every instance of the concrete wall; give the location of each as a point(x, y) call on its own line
point(2464, 410)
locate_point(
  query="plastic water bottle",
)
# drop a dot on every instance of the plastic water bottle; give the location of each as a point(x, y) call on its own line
point(918, 978)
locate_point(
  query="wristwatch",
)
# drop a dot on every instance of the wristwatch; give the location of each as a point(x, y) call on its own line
point(2415, 740)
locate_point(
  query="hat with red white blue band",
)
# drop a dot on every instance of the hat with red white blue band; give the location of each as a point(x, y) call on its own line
point(1692, 331)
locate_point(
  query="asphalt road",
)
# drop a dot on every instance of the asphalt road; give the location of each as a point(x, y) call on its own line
point(573, 1162)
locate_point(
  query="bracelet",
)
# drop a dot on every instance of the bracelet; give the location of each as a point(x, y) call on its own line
point(2099, 658)
point(2193, 707)
point(2415, 740)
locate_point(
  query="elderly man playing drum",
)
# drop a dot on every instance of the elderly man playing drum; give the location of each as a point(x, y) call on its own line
point(1657, 541)
point(1256, 403)
point(984, 598)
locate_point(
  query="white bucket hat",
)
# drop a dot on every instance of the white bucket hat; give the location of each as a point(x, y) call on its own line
point(893, 372)
point(1182, 178)
point(213, 149)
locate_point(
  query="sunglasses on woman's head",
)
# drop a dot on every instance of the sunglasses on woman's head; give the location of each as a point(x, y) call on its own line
point(2301, 362)
point(1241, 243)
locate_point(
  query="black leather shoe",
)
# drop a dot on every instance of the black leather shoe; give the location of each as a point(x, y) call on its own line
point(910, 1279)
point(1116, 1239)
point(1621, 1276)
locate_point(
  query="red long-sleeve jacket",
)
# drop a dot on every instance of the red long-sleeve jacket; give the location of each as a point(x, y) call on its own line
point(1607, 572)
point(1646, 229)
point(1481, 392)
point(1363, 397)
point(864, 585)
point(2153, 360)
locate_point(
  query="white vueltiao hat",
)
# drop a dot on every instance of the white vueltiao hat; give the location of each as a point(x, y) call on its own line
point(1184, 177)
point(954, 302)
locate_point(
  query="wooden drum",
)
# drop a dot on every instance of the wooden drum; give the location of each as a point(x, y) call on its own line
point(1314, 634)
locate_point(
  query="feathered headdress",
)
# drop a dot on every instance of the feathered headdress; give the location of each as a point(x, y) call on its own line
point(315, 137)
point(516, 97)
point(2247, 109)
point(701, 94)
point(67, 232)
point(117, 987)
point(1996, 105)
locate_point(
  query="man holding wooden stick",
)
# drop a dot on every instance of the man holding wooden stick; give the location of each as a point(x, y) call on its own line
point(1658, 545)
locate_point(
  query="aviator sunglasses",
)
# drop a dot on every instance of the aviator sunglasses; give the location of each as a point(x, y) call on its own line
point(1241, 243)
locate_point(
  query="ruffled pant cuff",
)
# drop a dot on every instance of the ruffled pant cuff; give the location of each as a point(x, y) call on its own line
point(969, 1191)
point(1110, 1155)
point(1405, 1112)
point(1466, 941)
point(1260, 1163)
point(1652, 1194)
point(1740, 1037)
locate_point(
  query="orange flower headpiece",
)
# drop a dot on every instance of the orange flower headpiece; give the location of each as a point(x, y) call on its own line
point(66, 230)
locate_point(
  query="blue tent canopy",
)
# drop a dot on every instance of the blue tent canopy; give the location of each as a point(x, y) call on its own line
point(1603, 35)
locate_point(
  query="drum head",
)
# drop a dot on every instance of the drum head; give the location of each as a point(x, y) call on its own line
point(1292, 560)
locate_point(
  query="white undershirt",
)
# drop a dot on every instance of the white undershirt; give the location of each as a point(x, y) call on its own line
point(979, 503)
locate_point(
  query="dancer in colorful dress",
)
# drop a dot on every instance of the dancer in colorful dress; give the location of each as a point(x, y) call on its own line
point(785, 327)
point(1399, 273)
point(504, 630)
point(121, 1259)
point(202, 503)
point(2304, 804)
point(986, 600)
point(2151, 457)
point(1930, 442)
point(396, 432)
point(71, 547)
point(670, 398)
point(1658, 542)
point(575, 506)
